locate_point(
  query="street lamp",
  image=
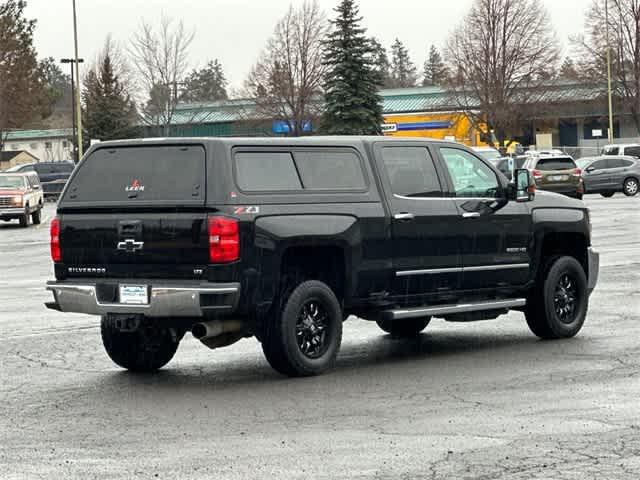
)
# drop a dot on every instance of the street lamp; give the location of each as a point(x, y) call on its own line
point(77, 62)
point(606, 16)
point(74, 142)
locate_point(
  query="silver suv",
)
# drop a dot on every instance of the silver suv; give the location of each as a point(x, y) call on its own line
point(607, 175)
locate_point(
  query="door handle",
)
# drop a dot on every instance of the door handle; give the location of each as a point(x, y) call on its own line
point(471, 215)
point(405, 216)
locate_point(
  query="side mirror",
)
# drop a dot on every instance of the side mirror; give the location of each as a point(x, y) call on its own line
point(590, 169)
point(523, 187)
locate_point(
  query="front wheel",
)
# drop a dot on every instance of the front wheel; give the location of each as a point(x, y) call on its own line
point(304, 335)
point(630, 187)
point(558, 304)
point(145, 349)
point(24, 218)
point(404, 328)
point(36, 217)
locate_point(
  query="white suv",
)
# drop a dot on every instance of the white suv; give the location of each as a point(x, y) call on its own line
point(21, 197)
point(629, 150)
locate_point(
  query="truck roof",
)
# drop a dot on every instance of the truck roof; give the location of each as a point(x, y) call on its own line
point(273, 141)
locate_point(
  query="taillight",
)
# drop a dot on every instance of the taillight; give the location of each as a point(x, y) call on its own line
point(56, 251)
point(577, 172)
point(537, 174)
point(224, 240)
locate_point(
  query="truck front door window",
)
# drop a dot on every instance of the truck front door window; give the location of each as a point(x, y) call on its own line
point(470, 176)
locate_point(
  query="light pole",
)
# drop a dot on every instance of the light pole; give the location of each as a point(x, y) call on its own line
point(77, 96)
point(606, 15)
point(74, 141)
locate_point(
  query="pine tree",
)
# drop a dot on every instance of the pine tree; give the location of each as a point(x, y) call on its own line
point(380, 61)
point(206, 85)
point(403, 71)
point(568, 70)
point(22, 91)
point(435, 71)
point(109, 113)
point(352, 103)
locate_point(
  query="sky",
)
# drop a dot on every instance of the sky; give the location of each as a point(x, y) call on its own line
point(235, 31)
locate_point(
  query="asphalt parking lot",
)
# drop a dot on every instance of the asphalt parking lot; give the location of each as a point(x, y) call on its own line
point(481, 400)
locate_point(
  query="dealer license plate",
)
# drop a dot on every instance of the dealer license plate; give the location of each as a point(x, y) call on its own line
point(559, 178)
point(134, 294)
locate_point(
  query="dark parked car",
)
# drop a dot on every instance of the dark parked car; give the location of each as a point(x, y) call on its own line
point(556, 173)
point(284, 239)
point(609, 174)
point(53, 175)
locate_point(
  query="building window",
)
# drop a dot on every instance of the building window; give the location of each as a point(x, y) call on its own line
point(33, 146)
point(601, 127)
point(65, 144)
point(47, 145)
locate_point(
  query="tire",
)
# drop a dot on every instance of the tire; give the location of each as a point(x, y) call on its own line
point(146, 349)
point(36, 217)
point(404, 328)
point(292, 344)
point(607, 194)
point(24, 218)
point(630, 187)
point(549, 314)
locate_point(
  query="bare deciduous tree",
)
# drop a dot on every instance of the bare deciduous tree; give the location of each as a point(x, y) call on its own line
point(500, 56)
point(288, 75)
point(162, 62)
point(624, 40)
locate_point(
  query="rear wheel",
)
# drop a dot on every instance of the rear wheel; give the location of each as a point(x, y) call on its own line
point(304, 335)
point(607, 194)
point(630, 187)
point(558, 304)
point(404, 328)
point(144, 349)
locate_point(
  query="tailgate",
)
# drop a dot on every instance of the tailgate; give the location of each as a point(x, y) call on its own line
point(148, 245)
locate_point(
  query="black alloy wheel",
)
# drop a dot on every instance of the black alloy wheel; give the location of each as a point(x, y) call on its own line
point(311, 329)
point(565, 299)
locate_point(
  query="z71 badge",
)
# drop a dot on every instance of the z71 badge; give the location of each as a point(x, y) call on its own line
point(246, 210)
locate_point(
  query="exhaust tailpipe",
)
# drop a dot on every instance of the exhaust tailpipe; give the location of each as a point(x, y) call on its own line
point(217, 333)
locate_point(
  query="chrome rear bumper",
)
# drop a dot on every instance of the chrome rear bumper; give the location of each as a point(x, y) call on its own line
point(165, 299)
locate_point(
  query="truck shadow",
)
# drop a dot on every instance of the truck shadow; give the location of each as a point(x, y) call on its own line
point(430, 353)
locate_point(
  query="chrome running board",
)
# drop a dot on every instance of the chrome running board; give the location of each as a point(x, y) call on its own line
point(452, 309)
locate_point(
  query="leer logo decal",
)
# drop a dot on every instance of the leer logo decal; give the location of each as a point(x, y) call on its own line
point(134, 187)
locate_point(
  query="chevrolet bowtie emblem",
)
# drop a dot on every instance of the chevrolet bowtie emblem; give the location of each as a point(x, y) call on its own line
point(130, 245)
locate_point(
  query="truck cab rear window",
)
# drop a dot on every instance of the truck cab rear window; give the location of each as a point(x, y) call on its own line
point(140, 174)
point(302, 170)
point(266, 171)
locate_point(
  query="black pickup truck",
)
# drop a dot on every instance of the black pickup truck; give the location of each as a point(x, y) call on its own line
point(283, 239)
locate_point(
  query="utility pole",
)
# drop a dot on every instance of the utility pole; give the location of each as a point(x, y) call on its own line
point(74, 141)
point(606, 15)
point(77, 96)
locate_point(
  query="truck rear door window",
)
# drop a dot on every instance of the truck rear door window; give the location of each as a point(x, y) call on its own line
point(152, 174)
point(266, 172)
point(411, 172)
point(330, 170)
